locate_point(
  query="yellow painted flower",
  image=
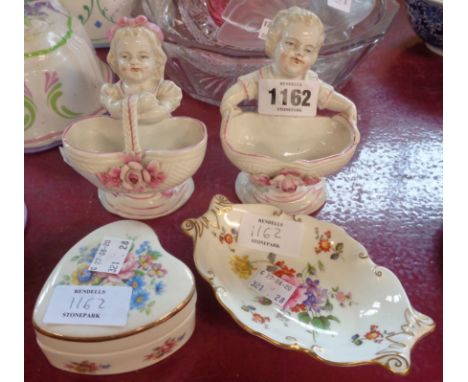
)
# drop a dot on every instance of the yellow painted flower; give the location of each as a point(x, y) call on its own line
point(241, 266)
point(82, 276)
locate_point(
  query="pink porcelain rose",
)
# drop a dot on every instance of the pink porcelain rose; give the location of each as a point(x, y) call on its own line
point(133, 175)
point(287, 182)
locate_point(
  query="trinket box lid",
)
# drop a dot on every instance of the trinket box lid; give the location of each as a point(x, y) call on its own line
point(162, 284)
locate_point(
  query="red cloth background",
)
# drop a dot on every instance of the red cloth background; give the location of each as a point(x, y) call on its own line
point(389, 198)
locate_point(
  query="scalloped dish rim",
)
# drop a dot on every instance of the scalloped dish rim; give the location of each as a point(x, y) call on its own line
point(397, 362)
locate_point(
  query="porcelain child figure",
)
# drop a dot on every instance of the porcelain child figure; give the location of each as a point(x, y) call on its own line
point(140, 158)
point(136, 56)
point(293, 42)
point(284, 158)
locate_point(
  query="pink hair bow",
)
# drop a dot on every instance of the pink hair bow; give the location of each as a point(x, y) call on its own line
point(139, 21)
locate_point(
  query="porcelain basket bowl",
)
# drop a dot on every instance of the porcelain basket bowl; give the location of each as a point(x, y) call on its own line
point(271, 150)
point(345, 311)
point(137, 181)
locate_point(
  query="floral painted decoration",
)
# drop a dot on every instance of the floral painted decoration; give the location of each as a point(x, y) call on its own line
point(140, 270)
point(134, 175)
point(164, 349)
point(373, 335)
point(327, 245)
point(85, 367)
point(286, 180)
point(311, 303)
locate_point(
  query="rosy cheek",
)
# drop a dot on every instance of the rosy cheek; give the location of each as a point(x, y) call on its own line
point(284, 57)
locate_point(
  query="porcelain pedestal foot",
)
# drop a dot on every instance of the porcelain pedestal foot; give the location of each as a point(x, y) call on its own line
point(304, 200)
point(147, 205)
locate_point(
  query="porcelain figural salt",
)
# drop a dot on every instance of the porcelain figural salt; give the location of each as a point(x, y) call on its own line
point(140, 158)
point(284, 158)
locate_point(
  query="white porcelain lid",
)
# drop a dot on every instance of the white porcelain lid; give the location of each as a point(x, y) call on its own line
point(47, 26)
point(162, 284)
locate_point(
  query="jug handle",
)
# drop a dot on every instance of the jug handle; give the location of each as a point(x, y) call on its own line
point(130, 124)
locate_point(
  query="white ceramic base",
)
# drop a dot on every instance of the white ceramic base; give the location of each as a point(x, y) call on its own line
point(305, 200)
point(121, 361)
point(434, 49)
point(147, 206)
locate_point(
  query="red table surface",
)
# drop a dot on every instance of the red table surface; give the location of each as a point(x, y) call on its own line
point(389, 198)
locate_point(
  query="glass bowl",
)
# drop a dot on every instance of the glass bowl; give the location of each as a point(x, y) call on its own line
point(206, 54)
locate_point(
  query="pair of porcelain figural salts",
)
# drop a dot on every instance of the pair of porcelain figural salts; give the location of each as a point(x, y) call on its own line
point(141, 158)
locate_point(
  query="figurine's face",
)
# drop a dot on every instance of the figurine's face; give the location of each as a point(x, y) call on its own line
point(136, 61)
point(297, 50)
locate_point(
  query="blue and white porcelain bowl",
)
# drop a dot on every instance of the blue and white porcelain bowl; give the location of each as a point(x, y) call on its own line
point(426, 18)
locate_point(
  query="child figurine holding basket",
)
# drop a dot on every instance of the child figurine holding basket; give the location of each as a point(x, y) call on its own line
point(293, 42)
point(136, 56)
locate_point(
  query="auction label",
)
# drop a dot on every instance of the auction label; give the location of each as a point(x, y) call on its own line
point(272, 287)
point(295, 98)
point(269, 234)
point(89, 305)
point(342, 5)
point(110, 255)
point(264, 29)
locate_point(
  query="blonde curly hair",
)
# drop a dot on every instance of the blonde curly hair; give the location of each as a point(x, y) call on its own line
point(286, 17)
point(155, 43)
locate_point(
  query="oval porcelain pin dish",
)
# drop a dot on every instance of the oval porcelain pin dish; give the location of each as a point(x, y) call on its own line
point(344, 309)
point(161, 315)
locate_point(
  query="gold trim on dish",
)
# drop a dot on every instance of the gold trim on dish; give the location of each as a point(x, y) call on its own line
point(395, 361)
point(138, 330)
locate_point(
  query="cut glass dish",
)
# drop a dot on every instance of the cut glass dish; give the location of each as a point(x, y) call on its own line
point(205, 59)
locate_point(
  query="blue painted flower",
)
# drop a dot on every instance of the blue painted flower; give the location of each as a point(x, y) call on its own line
point(136, 282)
point(316, 297)
point(144, 246)
point(89, 257)
point(159, 288)
point(139, 298)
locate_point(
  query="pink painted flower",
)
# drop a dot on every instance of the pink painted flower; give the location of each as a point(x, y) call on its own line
point(126, 272)
point(342, 297)
point(157, 270)
point(299, 294)
point(51, 79)
point(145, 261)
point(168, 345)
